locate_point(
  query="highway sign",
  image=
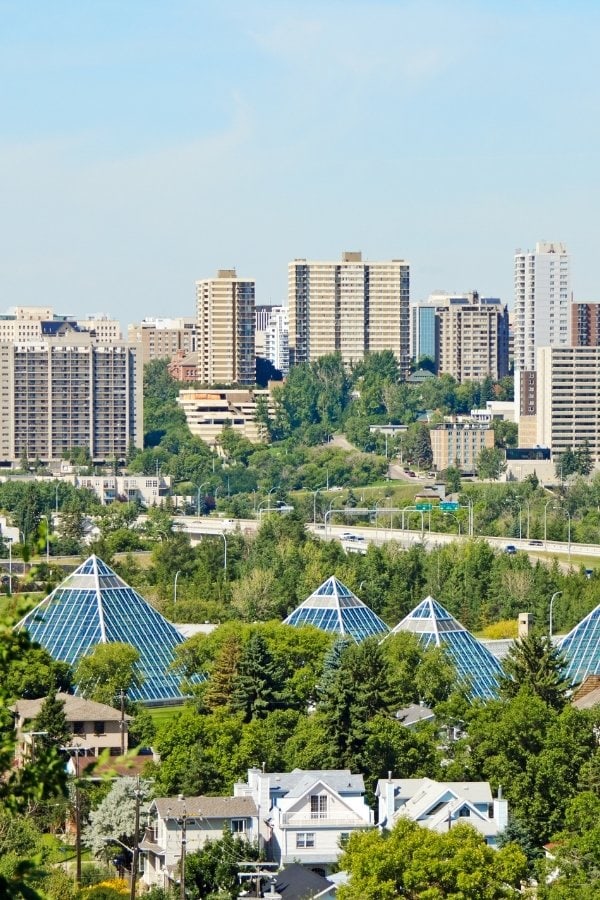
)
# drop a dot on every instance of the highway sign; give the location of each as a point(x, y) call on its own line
point(423, 507)
point(449, 505)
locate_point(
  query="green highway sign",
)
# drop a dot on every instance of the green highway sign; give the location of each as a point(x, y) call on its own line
point(449, 506)
point(423, 507)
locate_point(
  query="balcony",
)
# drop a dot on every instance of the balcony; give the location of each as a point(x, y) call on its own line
point(319, 820)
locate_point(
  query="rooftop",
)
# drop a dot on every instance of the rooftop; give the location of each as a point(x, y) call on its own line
point(334, 608)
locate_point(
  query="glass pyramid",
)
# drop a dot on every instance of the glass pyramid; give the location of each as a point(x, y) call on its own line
point(93, 605)
point(333, 607)
point(473, 662)
point(581, 647)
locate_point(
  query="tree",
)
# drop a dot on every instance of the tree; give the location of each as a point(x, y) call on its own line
point(535, 663)
point(452, 478)
point(583, 459)
point(506, 434)
point(52, 724)
point(221, 683)
point(213, 871)
point(258, 686)
point(566, 464)
point(490, 463)
point(414, 862)
point(115, 816)
point(107, 670)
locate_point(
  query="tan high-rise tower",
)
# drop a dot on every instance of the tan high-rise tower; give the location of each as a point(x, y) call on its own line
point(351, 307)
point(225, 329)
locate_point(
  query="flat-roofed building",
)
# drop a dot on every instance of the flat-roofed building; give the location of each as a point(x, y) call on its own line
point(568, 399)
point(351, 307)
point(459, 444)
point(159, 338)
point(585, 324)
point(472, 338)
point(226, 325)
point(209, 411)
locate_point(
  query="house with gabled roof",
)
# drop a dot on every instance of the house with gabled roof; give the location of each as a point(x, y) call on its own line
point(439, 805)
point(307, 815)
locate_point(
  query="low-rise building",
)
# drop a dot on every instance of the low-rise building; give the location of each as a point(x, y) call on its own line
point(193, 820)
point(208, 411)
point(309, 814)
point(95, 727)
point(439, 805)
point(150, 490)
point(459, 444)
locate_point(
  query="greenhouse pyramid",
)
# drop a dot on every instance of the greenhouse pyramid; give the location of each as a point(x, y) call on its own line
point(581, 648)
point(93, 605)
point(333, 607)
point(474, 663)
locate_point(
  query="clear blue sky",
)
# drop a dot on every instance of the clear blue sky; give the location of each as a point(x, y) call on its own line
point(146, 143)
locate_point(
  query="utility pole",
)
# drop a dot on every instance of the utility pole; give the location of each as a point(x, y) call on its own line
point(122, 722)
point(77, 821)
point(136, 841)
point(182, 863)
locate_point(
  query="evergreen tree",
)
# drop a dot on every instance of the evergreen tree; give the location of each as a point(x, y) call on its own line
point(536, 663)
point(51, 719)
point(566, 464)
point(258, 685)
point(222, 681)
point(583, 459)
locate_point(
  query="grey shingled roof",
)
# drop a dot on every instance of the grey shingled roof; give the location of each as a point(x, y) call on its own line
point(296, 882)
point(299, 781)
point(205, 807)
point(76, 709)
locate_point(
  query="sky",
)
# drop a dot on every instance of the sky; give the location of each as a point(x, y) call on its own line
point(146, 144)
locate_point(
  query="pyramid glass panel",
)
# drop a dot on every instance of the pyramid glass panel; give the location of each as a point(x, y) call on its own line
point(581, 647)
point(93, 605)
point(334, 608)
point(474, 663)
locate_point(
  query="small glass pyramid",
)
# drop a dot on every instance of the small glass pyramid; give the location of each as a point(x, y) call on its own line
point(93, 605)
point(581, 647)
point(333, 607)
point(473, 662)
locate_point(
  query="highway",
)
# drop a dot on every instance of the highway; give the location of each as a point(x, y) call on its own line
point(379, 535)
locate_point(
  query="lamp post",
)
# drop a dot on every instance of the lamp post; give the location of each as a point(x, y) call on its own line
point(56, 501)
point(10, 567)
point(204, 483)
point(552, 599)
point(177, 574)
point(314, 493)
point(222, 533)
point(510, 503)
point(528, 505)
point(183, 822)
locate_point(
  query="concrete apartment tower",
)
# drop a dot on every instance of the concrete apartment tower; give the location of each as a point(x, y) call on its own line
point(225, 329)
point(542, 317)
point(351, 307)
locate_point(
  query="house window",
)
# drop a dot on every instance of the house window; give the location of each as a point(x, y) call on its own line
point(305, 839)
point(78, 728)
point(238, 826)
point(344, 838)
point(318, 806)
point(99, 728)
point(465, 811)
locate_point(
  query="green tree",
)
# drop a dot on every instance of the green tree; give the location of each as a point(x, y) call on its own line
point(566, 464)
point(52, 723)
point(114, 818)
point(506, 434)
point(583, 457)
point(490, 463)
point(414, 862)
point(258, 687)
point(452, 477)
point(535, 663)
point(213, 871)
point(222, 681)
point(107, 670)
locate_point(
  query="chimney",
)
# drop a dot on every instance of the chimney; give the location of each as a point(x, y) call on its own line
point(525, 624)
point(500, 811)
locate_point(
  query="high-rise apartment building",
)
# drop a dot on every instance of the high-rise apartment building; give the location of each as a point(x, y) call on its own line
point(568, 400)
point(27, 322)
point(225, 329)
point(277, 339)
point(66, 388)
point(472, 338)
point(349, 307)
point(162, 338)
point(585, 324)
point(542, 294)
point(422, 331)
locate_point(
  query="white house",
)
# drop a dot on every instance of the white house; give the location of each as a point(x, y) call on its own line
point(439, 805)
point(193, 820)
point(306, 816)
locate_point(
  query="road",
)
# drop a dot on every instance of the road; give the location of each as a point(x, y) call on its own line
point(381, 534)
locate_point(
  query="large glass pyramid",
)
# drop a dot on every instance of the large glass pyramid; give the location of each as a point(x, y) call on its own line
point(581, 647)
point(473, 662)
point(333, 607)
point(93, 605)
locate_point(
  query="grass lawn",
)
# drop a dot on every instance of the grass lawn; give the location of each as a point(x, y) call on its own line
point(575, 560)
point(162, 714)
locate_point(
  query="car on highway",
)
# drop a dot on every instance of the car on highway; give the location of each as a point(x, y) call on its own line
point(536, 543)
point(510, 549)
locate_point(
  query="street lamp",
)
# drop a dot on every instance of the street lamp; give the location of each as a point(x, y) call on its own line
point(177, 574)
point(510, 503)
point(546, 505)
point(552, 599)
point(568, 514)
point(204, 483)
point(222, 533)
point(314, 493)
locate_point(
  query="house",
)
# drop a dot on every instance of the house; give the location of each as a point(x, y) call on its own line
point(296, 882)
point(175, 821)
point(307, 815)
point(95, 727)
point(439, 805)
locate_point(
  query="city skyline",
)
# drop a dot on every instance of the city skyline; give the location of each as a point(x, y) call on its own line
point(145, 148)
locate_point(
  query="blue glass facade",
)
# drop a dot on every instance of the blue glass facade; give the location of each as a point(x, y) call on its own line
point(474, 663)
point(334, 608)
point(581, 647)
point(94, 605)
